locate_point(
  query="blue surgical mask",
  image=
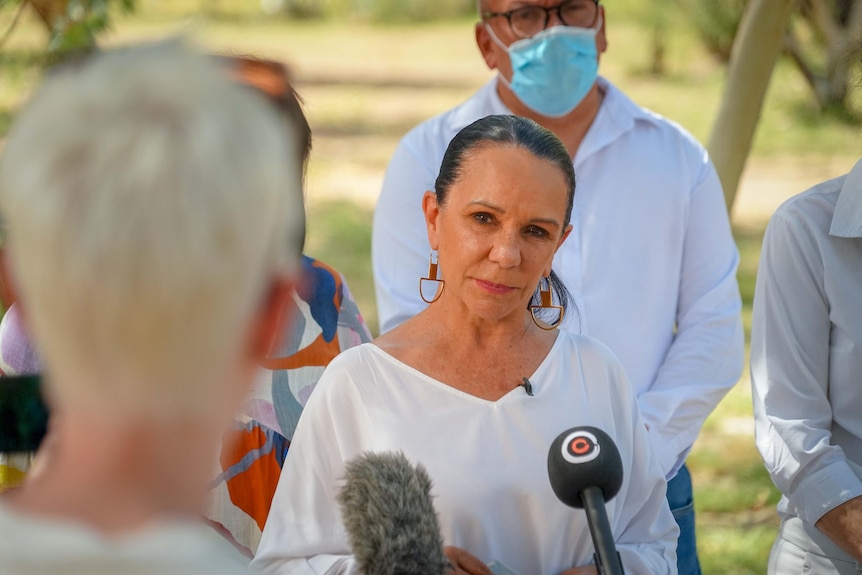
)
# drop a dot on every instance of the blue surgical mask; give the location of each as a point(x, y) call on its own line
point(553, 71)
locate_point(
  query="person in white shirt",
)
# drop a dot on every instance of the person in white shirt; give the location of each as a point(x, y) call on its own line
point(651, 263)
point(806, 365)
point(448, 386)
point(153, 227)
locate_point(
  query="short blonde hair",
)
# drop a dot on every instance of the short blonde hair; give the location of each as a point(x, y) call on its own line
point(149, 206)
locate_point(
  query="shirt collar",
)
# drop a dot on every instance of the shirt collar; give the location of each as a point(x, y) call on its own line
point(847, 220)
point(617, 115)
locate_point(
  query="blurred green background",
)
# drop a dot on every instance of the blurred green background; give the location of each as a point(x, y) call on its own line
point(369, 70)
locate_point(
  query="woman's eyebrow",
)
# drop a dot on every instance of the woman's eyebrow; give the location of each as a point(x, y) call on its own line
point(500, 210)
point(488, 205)
point(550, 221)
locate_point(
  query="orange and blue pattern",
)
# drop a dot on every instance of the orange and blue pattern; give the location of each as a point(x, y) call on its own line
point(325, 322)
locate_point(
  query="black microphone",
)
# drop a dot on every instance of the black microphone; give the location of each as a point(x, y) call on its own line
point(390, 518)
point(586, 471)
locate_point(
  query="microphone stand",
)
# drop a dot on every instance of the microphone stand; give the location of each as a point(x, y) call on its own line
point(607, 558)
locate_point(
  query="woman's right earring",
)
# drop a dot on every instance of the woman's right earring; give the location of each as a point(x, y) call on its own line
point(432, 277)
point(547, 304)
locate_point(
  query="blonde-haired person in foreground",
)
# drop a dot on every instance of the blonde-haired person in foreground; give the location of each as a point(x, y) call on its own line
point(154, 232)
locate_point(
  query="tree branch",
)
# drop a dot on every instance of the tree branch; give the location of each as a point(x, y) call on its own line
point(822, 18)
point(793, 49)
point(854, 23)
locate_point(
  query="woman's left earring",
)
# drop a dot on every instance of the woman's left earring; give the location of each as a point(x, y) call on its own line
point(439, 284)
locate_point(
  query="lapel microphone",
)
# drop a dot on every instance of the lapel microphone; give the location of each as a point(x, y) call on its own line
point(528, 387)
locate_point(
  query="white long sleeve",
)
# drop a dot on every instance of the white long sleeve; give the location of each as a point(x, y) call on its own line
point(488, 462)
point(705, 357)
point(805, 362)
point(651, 262)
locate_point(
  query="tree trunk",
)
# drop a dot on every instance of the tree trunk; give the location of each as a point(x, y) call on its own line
point(659, 49)
point(757, 46)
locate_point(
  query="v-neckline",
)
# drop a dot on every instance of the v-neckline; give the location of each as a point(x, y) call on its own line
point(533, 377)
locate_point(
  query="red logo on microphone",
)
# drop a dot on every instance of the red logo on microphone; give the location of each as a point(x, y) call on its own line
point(580, 447)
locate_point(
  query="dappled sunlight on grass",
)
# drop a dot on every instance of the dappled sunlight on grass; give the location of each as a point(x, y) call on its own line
point(730, 474)
point(735, 550)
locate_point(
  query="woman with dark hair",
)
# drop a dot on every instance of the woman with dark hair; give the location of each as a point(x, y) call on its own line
point(477, 386)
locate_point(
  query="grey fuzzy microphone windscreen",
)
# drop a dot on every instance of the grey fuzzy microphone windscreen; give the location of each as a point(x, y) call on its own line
point(389, 516)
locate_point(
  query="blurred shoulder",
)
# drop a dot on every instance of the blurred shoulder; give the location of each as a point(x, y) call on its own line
point(434, 134)
point(647, 121)
point(812, 209)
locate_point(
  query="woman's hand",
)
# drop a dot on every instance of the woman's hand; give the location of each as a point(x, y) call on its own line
point(464, 563)
point(586, 570)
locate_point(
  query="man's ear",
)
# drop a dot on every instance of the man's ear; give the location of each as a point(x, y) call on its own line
point(601, 37)
point(486, 45)
point(272, 317)
point(432, 217)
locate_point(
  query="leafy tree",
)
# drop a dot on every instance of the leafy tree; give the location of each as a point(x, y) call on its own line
point(382, 11)
point(72, 25)
point(716, 21)
point(823, 38)
point(825, 41)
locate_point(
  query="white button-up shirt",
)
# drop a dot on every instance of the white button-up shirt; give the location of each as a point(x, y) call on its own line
point(651, 261)
point(806, 348)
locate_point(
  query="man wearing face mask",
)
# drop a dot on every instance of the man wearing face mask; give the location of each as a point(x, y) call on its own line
point(651, 261)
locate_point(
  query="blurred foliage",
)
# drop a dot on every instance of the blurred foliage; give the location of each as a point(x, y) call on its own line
point(660, 19)
point(824, 42)
point(378, 11)
point(72, 25)
point(716, 22)
point(339, 234)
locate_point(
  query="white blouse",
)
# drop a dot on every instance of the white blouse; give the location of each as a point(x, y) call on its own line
point(487, 459)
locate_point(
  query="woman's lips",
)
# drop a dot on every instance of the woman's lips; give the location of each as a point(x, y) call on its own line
point(494, 287)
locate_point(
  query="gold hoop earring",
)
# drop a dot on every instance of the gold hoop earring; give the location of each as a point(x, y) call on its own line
point(432, 277)
point(545, 295)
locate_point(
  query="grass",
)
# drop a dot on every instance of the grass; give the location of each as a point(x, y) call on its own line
point(339, 233)
point(365, 86)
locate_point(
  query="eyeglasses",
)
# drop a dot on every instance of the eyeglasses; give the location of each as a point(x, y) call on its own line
point(528, 21)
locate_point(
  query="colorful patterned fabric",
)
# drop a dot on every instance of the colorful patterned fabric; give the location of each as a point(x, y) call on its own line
point(325, 322)
point(16, 358)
